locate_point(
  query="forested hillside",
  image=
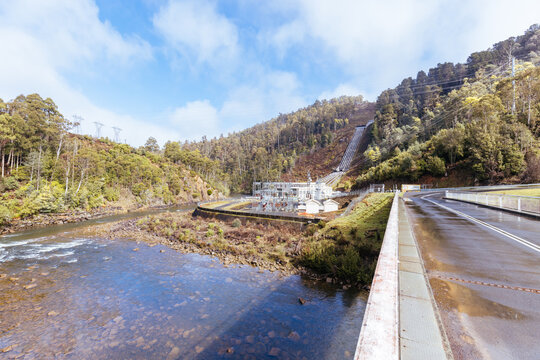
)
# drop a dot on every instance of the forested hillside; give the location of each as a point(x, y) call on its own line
point(267, 151)
point(460, 120)
point(47, 169)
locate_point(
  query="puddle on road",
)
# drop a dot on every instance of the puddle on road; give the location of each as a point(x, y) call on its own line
point(97, 299)
point(463, 299)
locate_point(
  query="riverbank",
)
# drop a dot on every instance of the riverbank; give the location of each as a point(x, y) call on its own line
point(75, 216)
point(342, 251)
point(273, 247)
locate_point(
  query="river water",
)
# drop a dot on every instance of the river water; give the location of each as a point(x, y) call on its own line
point(63, 295)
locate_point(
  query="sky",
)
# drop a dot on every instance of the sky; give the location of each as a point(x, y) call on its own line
point(180, 69)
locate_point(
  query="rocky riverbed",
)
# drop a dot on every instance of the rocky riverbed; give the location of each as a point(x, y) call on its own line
point(66, 294)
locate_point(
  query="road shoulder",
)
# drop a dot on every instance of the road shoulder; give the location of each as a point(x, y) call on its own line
point(421, 333)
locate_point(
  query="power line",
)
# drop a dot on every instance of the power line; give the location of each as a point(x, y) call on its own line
point(77, 121)
point(98, 129)
point(117, 131)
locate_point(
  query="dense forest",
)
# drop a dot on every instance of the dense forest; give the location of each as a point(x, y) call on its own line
point(266, 151)
point(47, 169)
point(476, 119)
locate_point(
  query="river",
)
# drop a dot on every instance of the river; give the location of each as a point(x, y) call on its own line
point(68, 296)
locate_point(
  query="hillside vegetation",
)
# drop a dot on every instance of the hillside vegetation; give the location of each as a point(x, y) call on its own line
point(267, 151)
point(460, 120)
point(47, 169)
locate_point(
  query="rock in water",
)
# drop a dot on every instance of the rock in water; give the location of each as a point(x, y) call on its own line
point(175, 352)
point(302, 300)
point(294, 336)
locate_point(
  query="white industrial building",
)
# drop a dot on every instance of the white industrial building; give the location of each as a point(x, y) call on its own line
point(313, 206)
point(291, 196)
point(330, 205)
point(297, 191)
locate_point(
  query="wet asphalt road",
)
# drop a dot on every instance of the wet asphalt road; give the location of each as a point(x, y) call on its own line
point(486, 284)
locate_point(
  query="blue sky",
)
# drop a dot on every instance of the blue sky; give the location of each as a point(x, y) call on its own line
point(180, 69)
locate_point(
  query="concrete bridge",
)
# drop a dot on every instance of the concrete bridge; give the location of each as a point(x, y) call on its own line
point(454, 280)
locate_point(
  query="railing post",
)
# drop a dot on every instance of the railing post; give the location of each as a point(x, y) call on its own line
point(519, 204)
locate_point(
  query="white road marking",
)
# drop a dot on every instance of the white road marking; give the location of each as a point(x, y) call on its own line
point(491, 227)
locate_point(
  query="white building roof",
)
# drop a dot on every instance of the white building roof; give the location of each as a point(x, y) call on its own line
point(330, 201)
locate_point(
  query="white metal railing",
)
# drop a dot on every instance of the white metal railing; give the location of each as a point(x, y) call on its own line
point(523, 204)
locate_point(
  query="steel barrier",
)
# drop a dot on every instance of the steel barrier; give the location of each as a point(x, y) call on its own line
point(521, 204)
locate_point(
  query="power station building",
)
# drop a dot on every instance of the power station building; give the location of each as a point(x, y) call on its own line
point(297, 191)
point(289, 196)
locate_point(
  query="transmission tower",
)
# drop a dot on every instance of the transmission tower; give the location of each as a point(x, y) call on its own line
point(77, 121)
point(117, 134)
point(98, 129)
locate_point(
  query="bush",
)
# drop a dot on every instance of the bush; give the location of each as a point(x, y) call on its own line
point(10, 183)
point(236, 223)
point(5, 215)
point(111, 194)
point(209, 192)
point(436, 166)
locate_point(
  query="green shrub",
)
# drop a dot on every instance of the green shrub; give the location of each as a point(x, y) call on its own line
point(210, 233)
point(5, 215)
point(10, 183)
point(236, 223)
point(436, 166)
point(111, 194)
point(209, 192)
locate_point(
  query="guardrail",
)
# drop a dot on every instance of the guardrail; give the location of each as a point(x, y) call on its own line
point(521, 204)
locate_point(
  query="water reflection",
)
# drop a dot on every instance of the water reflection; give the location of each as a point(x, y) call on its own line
point(69, 297)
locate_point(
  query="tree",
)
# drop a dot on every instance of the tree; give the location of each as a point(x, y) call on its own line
point(151, 145)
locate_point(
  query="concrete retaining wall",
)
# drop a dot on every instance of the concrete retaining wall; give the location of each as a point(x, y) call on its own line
point(201, 210)
point(379, 338)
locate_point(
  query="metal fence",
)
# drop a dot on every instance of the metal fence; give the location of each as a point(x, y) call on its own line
point(524, 204)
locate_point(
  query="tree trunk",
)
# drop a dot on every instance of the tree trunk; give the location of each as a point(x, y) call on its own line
point(80, 181)
point(10, 161)
point(57, 156)
point(39, 168)
point(67, 178)
point(2, 153)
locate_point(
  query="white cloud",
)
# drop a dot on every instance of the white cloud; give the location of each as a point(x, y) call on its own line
point(244, 106)
point(340, 90)
point(45, 38)
point(195, 119)
point(69, 33)
point(379, 42)
point(196, 28)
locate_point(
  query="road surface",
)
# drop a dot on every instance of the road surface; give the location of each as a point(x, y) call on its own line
point(484, 269)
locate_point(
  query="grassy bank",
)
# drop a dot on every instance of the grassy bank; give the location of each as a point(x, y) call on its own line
point(519, 192)
point(344, 249)
point(347, 247)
